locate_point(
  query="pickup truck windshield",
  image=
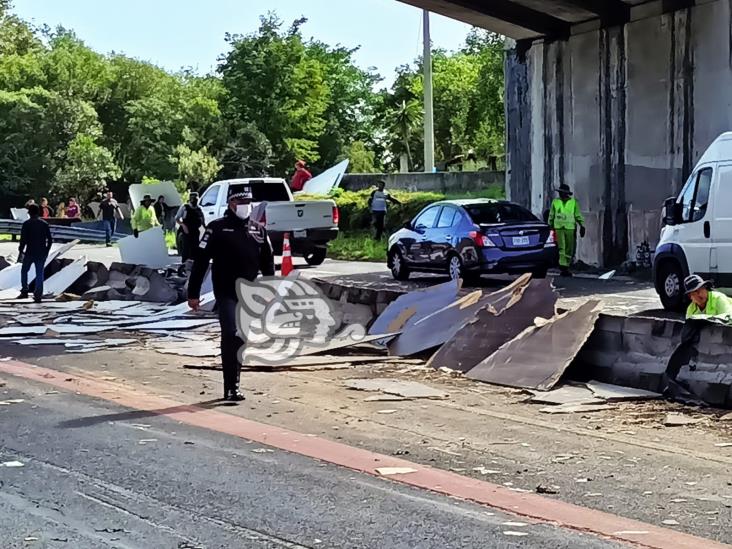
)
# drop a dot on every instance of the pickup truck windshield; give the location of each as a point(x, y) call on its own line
point(490, 214)
point(265, 192)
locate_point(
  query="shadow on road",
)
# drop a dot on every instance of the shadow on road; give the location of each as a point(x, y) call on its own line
point(136, 415)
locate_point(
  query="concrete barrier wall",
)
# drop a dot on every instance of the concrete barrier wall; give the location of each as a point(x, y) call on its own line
point(634, 352)
point(444, 182)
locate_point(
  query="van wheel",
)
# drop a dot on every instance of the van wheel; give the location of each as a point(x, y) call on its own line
point(669, 282)
point(397, 265)
point(316, 257)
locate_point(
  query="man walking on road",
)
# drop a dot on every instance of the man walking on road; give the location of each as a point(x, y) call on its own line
point(109, 212)
point(239, 248)
point(564, 217)
point(35, 243)
point(378, 205)
point(144, 217)
point(190, 219)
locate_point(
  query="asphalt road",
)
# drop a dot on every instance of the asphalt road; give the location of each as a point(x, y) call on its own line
point(95, 476)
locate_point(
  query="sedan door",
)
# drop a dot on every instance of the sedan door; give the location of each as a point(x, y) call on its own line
point(419, 249)
point(442, 236)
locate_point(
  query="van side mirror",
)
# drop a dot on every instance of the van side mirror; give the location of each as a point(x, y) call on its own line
point(672, 209)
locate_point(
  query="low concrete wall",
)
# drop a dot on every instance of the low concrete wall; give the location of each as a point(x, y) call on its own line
point(634, 352)
point(444, 182)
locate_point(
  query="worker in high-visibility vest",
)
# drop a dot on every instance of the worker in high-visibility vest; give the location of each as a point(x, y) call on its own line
point(564, 217)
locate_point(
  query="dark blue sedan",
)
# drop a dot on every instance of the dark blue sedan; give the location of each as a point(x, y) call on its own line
point(467, 238)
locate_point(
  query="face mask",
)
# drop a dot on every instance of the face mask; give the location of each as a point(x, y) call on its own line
point(243, 211)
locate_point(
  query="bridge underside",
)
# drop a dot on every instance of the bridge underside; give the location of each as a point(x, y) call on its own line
point(537, 19)
point(617, 98)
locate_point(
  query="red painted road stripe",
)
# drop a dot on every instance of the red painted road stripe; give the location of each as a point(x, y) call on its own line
point(526, 505)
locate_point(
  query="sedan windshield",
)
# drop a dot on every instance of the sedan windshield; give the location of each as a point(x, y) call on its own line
point(499, 212)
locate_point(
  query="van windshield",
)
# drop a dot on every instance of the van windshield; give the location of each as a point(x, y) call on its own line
point(264, 192)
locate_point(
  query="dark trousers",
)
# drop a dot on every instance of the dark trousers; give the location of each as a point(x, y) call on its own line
point(230, 342)
point(39, 262)
point(109, 227)
point(378, 218)
point(190, 243)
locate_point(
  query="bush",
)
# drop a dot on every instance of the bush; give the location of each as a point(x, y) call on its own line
point(356, 216)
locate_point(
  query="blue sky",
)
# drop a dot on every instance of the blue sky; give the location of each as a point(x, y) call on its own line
point(190, 33)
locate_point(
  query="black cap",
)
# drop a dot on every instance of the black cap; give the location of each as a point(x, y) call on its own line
point(239, 190)
point(564, 189)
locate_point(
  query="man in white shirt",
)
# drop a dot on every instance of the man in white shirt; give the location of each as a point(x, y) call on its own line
point(378, 205)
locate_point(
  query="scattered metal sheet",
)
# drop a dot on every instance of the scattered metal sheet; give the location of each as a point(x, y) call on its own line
point(486, 332)
point(147, 249)
point(20, 214)
point(187, 348)
point(567, 394)
point(386, 471)
point(538, 357)
point(10, 276)
point(333, 344)
point(59, 329)
point(52, 341)
point(610, 392)
point(406, 389)
point(317, 360)
point(57, 283)
point(576, 408)
point(326, 181)
point(679, 420)
point(437, 328)
point(177, 324)
point(164, 188)
point(413, 306)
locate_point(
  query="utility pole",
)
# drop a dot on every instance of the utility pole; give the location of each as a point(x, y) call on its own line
point(429, 123)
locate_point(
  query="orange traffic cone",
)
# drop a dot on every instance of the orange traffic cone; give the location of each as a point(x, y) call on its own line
point(286, 256)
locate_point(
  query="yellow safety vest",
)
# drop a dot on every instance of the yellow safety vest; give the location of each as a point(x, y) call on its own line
point(565, 215)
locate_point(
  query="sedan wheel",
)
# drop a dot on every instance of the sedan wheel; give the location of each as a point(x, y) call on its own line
point(399, 269)
point(455, 267)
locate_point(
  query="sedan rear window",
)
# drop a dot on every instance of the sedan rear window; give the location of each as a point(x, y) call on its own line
point(499, 212)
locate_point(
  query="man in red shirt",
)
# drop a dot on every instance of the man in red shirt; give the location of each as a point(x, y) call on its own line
point(302, 176)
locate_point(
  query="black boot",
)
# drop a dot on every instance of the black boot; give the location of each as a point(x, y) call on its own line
point(234, 395)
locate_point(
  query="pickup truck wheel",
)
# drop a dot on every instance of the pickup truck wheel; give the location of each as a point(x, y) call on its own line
point(669, 282)
point(397, 265)
point(316, 257)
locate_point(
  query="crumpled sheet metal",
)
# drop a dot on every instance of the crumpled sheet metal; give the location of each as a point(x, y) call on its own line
point(538, 357)
point(440, 326)
point(488, 330)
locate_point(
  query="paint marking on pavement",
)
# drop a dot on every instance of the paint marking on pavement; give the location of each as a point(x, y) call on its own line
point(527, 505)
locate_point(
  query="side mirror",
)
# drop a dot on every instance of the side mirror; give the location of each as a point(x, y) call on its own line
point(420, 229)
point(672, 209)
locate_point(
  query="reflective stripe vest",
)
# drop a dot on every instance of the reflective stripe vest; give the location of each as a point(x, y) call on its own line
point(717, 304)
point(565, 215)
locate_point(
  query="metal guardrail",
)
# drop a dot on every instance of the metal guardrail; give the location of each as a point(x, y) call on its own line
point(59, 233)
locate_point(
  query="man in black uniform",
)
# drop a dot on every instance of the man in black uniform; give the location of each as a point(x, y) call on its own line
point(239, 248)
point(190, 219)
point(35, 243)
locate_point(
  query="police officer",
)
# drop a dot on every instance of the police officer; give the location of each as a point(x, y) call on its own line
point(190, 219)
point(239, 248)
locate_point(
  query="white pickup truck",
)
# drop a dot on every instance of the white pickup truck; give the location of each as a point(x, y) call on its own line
point(311, 223)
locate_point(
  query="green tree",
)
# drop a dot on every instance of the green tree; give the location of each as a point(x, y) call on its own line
point(361, 159)
point(87, 169)
point(195, 168)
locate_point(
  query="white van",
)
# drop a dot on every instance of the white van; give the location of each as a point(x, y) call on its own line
point(697, 232)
